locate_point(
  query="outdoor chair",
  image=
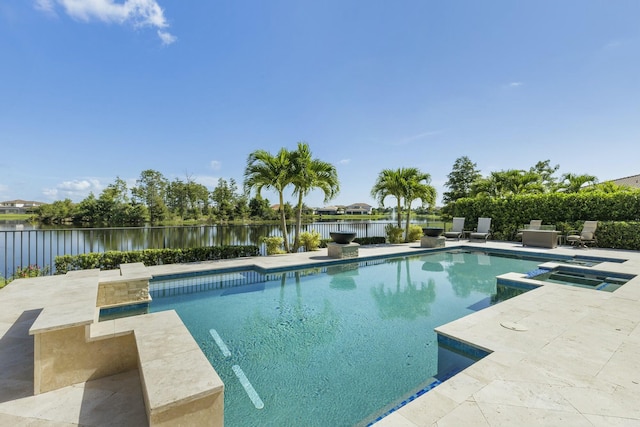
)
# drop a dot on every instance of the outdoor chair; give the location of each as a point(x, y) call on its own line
point(534, 224)
point(457, 230)
point(483, 231)
point(584, 237)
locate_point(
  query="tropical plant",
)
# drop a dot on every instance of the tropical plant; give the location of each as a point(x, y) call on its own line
point(572, 183)
point(394, 233)
point(406, 185)
point(310, 240)
point(274, 245)
point(265, 170)
point(32, 270)
point(415, 233)
point(545, 172)
point(309, 174)
point(389, 183)
point(416, 188)
point(505, 183)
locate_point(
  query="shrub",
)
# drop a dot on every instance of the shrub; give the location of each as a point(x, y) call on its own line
point(415, 233)
point(394, 233)
point(370, 240)
point(274, 245)
point(310, 240)
point(564, 210)
point(32, 270)
point(112, 260)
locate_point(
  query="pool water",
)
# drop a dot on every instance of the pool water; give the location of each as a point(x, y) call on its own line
point(601, 282)
point(332, 346)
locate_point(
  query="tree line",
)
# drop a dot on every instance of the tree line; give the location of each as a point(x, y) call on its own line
point(465, 181)
point(154, 199)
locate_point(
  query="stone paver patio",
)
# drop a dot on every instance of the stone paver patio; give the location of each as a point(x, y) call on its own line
point(560, 355)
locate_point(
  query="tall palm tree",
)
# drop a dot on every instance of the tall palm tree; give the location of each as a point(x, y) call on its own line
point(406, 185)
point(308, 174)
point(416, 187)
point(389, 183)
point(265, 170)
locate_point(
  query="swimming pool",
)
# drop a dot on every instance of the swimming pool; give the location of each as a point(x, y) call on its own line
point(589, 279)
point(337, 345)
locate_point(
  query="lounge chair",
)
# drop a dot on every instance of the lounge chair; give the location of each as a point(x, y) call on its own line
point(587, 235)
point(483, 231)
point(457, 230)
point(534, 224)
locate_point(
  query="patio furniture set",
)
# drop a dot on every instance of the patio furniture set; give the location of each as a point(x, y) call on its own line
point(533, 234)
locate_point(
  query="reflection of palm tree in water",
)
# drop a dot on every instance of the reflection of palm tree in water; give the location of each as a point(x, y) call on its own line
point(407, 303)
point(465, 275)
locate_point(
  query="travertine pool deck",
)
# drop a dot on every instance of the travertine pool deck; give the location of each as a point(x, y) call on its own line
point(560, 355)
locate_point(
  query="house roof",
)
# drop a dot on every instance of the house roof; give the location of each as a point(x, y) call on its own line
point(360, 205)
point(631, 181)
point(21, 202)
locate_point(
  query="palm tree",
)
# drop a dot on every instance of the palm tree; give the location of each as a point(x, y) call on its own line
point(406, 185)
point(265, 170)
point(309, 174)
point(416, 187)
point(389, 183)
point(572, 183)
point(509, 182)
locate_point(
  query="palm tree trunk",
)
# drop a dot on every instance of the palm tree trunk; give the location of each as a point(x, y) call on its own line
point(296, 239)
point(283, 224)
point(398, 213)
point(406, 227)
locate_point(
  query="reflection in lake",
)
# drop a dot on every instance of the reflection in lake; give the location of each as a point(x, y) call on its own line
point(30, 244)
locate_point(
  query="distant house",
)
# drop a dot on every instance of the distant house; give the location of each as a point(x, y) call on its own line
point(629, 181)
point(330, 210)
point(358, 209)
point(18, 206)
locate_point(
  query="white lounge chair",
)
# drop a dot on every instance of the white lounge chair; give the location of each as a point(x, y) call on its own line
point(483, 231)
point(457, 230)
point(587, 235)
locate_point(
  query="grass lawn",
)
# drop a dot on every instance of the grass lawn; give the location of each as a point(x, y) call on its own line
point(15, 217)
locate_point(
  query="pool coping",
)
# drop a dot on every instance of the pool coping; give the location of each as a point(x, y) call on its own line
point(539, 375)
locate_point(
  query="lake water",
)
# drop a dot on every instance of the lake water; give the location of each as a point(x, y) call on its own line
point(24, 244)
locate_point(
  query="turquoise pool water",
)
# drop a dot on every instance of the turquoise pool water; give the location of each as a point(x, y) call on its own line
point(332, 346)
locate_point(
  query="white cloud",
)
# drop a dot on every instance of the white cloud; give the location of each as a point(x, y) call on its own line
point(46, 6)
point(514, 84)
point(419, 137)
point(166, 38)
point(216, 165)
point(344, 161)
point(75, 190)
point(614, 44)
point(207, 181)
point(139, 13)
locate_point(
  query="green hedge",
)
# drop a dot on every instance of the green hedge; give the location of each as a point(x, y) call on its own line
point(111, 260)
point(617, 214)
point(619, 235)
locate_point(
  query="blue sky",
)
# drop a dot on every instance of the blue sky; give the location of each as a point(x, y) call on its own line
point(91, 90)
